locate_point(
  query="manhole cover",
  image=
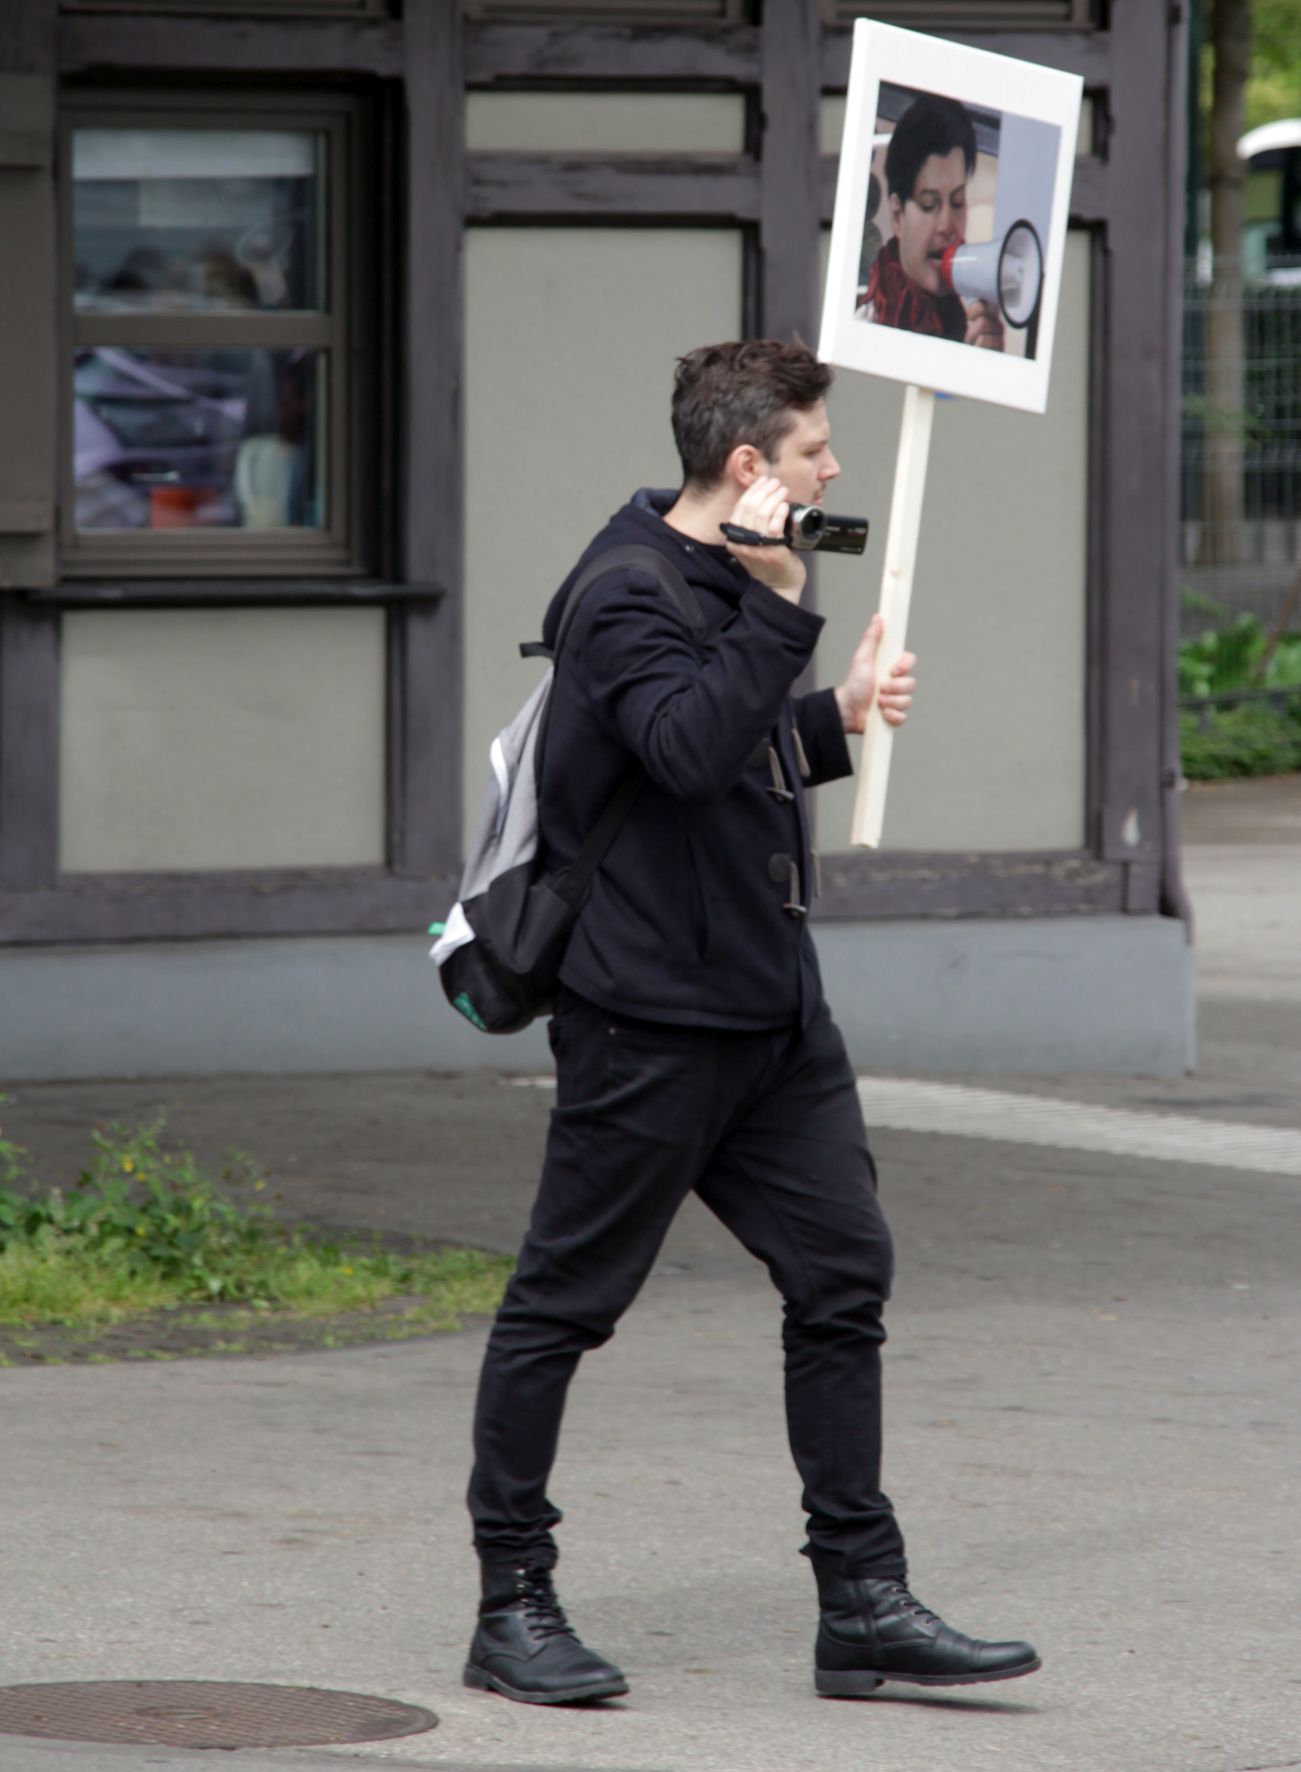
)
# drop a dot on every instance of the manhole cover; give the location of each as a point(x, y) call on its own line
point(204, 1713)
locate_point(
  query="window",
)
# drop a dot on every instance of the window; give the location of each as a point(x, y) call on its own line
point(208, 402)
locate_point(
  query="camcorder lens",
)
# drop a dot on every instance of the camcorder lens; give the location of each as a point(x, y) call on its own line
point(804, 526)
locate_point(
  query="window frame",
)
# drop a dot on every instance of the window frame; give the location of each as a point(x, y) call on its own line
point(319, 9)
point(338, 548)
point(609, 12)
point(970, 15)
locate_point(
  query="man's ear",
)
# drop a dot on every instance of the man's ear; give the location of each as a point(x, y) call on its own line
point(744, 465)
point(896, 212)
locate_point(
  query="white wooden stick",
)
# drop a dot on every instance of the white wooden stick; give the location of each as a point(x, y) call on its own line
point(896, 592)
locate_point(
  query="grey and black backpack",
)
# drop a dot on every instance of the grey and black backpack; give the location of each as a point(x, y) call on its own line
point(500, 950)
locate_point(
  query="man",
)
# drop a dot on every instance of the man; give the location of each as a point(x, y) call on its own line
point(693, 1046)
point(930, 159)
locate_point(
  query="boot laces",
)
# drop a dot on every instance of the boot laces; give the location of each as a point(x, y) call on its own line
point(909, 1603)
point(540, 1606)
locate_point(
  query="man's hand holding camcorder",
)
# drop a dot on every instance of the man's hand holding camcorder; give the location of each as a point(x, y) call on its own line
point(855, 695)
point(763, 507)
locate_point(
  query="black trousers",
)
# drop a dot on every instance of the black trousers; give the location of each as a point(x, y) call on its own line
point(767, 1128)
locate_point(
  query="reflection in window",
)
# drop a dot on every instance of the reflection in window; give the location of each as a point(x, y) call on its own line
point(197, 220)
point(210, 439)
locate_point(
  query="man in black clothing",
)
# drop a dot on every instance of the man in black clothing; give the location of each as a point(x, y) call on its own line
point(693, 1046)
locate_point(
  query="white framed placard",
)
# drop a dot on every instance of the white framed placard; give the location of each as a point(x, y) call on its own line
point(952, 202)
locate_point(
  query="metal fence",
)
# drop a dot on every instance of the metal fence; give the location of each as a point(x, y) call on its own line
point(1241, 478)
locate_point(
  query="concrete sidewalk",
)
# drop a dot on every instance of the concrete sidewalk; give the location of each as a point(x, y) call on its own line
point(1093, 1429)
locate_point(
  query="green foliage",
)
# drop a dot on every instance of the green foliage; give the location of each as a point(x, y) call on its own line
point(149, 1212)
point(1195, 602)
point(1243, 424)
point(12, 1157)
point(1274, 89)
point(1253, 738)
point(145, 1229)
point(1234, 657)
point(1274, 83)
point(1221, 658)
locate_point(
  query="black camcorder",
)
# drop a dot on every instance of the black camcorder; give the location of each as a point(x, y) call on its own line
point(807, 527)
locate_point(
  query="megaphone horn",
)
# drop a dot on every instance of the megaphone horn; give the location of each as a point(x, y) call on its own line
point(1006, 273)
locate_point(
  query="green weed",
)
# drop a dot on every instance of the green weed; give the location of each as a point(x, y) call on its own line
point(145, 1229)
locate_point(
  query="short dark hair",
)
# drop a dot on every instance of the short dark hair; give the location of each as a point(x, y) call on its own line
point(745, 392)
point(930, 125)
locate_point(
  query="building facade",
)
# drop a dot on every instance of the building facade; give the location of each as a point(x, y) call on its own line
point(332, 329)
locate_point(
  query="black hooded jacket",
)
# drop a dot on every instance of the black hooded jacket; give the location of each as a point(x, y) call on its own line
point(698, 914)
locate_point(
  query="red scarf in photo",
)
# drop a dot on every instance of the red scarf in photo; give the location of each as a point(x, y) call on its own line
point(897, 301)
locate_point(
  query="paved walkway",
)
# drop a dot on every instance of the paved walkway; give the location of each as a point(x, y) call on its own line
point(1093, 1423)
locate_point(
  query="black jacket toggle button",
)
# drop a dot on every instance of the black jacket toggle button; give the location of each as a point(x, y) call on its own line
point(777, 787)
point(784, 871)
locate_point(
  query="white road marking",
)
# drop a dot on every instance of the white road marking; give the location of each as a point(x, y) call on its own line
point(904, 1105)
point(955, 1110)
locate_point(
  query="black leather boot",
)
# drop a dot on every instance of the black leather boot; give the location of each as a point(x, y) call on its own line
point(525, 1648)
point(872, 1629)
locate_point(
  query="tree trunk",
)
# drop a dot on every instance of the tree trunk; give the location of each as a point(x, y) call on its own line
point(1225, 381)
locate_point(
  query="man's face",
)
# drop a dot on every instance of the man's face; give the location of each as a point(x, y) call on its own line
point(804, 462)
point(933, 219)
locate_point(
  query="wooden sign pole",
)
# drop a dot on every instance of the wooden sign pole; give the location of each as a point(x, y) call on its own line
point(896, 591)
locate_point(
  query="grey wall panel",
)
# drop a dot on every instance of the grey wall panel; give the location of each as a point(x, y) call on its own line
point(196, 739)
point(600, 122)
point(572, 338)
point(1103, 994)
point(1043, 995)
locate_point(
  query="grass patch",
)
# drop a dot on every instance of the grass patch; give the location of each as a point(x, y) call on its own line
point(145, 1234)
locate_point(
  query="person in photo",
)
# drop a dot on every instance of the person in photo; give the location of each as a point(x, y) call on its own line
point(929, 162)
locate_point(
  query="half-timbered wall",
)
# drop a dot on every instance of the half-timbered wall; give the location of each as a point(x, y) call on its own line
point(551, 201)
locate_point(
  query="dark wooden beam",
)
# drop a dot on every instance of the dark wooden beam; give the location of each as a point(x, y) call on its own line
point(1172, 895)
point(89, 45)
point(790, 158)
point(1141, 366)
point(191, 593)
point(29, 745)
point(1087, 53)
point(117, 907)
point(1099, 554)
point(27, 37)
point(949, 885)
point(596, 54)
point(426, 689)
point(569, 187)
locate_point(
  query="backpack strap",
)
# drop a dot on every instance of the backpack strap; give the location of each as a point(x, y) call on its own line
point(630, 555)
point(573, 881)
point(635, 555)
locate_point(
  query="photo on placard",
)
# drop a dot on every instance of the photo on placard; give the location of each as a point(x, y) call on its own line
point(950, 221)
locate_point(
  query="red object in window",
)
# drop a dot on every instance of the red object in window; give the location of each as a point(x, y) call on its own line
point(178, 507)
